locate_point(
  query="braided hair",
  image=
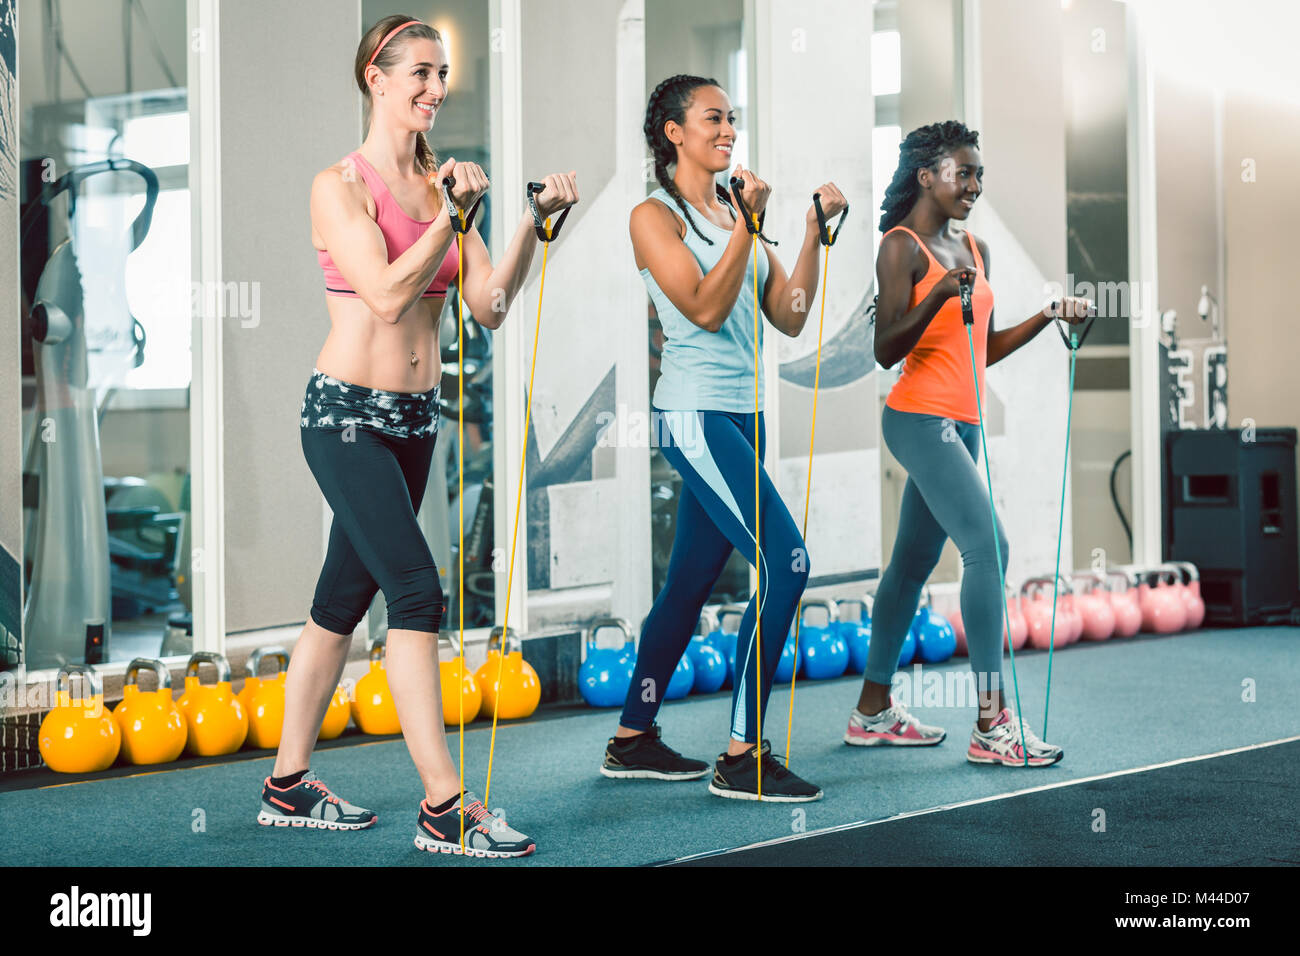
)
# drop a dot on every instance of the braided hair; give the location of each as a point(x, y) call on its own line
point(921, 149)
point(669, 102)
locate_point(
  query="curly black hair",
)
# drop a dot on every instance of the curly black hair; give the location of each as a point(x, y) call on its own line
point(669, 102)
point(922, 148)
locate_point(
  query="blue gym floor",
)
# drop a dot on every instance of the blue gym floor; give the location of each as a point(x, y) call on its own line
point(1116, 706)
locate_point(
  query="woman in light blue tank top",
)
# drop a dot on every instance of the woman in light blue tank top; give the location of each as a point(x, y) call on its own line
point(696, 258)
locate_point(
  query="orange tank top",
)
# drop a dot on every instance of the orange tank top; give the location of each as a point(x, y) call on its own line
point(936, 377)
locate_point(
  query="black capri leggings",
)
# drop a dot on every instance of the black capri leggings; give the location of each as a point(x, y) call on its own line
point(370, 452)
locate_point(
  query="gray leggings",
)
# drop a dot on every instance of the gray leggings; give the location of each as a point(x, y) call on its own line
point(946, 497)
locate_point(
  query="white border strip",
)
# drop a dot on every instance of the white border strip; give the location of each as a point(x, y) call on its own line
point(206, 414)
point(860, 824)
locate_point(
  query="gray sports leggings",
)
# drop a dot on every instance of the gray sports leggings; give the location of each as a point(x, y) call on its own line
point(945, 497)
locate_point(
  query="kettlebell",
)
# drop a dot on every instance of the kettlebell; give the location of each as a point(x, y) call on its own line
point(521, 691)
point(372, 702)
point(153, 730)
point(935, 640)
point(728, 638)
point(79, 735)
point(710, 666)
point(1195, 604)
point(1124, 602)
point(263, 700)
point(606, 673)
point(825, 652)
point(856, 631)
point(1162, 609)
point(1038, 614)
point(1094, 606)
point(214, 718)
point(336, 715)
point(462, 698)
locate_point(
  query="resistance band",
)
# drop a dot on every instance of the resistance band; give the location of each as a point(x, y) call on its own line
point(461, 224)
point(827, 240)
point(1072, 342)
point(968, 318)
point(754, 224)
point(545, 234)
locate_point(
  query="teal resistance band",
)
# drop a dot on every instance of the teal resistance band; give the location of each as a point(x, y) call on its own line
point(1072, 342)
point(968, 318)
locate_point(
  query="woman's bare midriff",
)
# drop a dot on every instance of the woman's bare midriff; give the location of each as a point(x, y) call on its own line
point(365, 350)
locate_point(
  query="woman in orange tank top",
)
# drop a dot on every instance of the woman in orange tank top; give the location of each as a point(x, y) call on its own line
point(930, 424)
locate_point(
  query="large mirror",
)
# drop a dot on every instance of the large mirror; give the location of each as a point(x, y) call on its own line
point(106, 352)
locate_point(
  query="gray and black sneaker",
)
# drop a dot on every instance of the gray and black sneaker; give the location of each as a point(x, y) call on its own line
point(485, 835)
point(646, 757)
point(737, 778)
point(309, 803)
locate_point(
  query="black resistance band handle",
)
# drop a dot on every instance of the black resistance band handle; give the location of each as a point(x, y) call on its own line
point(459, 221)
point(967, 311)
point(544, 234)
point(1070, 341)
point(826, 237)
point(738, 184)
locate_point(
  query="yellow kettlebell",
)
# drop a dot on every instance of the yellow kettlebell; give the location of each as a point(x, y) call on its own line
point(263, 700)
point(79, 735)
point(521, 690)
point(457, 685)
point(372, 702)
point(336, 717)
point(153, 730)
point(214, 717)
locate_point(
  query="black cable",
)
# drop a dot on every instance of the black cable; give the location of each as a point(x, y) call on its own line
point(1128, 533)
point(157, 48)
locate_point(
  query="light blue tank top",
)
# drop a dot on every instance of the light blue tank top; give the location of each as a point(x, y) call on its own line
point(708, 371)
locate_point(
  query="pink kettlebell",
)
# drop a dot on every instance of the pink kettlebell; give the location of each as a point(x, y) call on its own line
point(1192, 600)
point(1124, 602)
point(1038, 615)
point(1162, 608)
point(1094, 607)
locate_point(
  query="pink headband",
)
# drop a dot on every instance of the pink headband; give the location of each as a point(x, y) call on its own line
point(391, 34)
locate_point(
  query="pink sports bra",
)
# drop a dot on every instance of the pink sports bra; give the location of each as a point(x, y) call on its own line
point(400, 232)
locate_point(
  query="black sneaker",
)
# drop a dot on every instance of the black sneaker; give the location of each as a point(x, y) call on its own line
point(485, 835)
point(309, 803)
point(739, 780)
point(645, 757)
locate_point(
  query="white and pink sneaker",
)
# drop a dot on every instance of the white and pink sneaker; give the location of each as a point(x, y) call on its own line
point(893, 727)
point(1003, 744)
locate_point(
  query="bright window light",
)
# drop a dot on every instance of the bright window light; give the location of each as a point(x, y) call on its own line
point(162, 139)
point(886, 63)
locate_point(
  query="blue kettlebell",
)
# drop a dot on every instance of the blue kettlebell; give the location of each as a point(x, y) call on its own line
point(606, 674)
point(727, 640)
point(789, 657)
point(936, 641)
point(683, 679)
point(710, 665)
point(908, 652)
point(857, 634)
point(825, 652)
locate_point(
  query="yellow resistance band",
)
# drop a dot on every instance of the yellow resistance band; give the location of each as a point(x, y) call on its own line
point(758, 549)
point(519, 496)
point(807, 496)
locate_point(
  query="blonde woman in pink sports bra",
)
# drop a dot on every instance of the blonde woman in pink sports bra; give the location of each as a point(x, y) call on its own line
point(369, 421)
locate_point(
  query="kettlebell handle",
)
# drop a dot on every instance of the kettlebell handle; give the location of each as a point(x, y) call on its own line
point(842, 603)
point(825, 604)
point(376, 651)
point(615, 622)
point(209, 657)
point(87, 672)
point(708, 622)
point(730, 610)
point(148, 664)
point(513, 642)
point(271, 650)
